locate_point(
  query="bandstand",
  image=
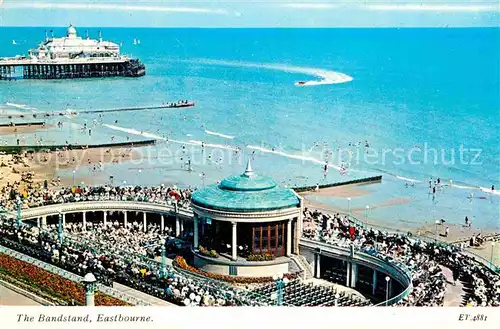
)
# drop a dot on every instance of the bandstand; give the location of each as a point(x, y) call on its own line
point(247, 225)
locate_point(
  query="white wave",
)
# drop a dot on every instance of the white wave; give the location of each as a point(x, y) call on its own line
point(19, 106)
point(218, 146)
point(488, 190)
point(464, 187)
point(327, 77)
point(292, 156)
point(157, 137)
point(408, 179)
point(218, 134)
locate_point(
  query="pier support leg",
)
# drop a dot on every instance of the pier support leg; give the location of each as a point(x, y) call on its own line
point(144, 222)
point(125, 219)
point(162, 224)
point(105, 218)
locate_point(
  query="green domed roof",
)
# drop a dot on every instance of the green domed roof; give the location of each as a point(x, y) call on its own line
point(245, 192)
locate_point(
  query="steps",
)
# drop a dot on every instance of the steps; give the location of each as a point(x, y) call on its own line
point(304, 266)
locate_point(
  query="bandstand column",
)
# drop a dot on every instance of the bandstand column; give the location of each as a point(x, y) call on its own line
point(144, 222)
point(105, 218)
point(162, 224)
point(84, 221)
point(317, 258)
point(38, 222)
point(125, 219)
point(234, 245)
point(289, 238)
point(182, 226)
point(354, 274)
point(64, 220)
point(195, 233)
point(44, 221)
point(374, 283)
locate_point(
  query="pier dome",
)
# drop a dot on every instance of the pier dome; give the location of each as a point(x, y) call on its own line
point(248, 192)
point(71, 32)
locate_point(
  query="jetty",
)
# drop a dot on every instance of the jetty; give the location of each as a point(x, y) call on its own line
point(177, 105)
point(367, 180)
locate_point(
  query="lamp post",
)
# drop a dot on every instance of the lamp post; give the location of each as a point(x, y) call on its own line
point(202, 175)
point(83, 184)
point(60, 229)
point(349, 205)
point(337, 297)
point(74, 172)
point(366, 215)
point(19, 213)
point(124, 182)
point(163, 259)
point(387, 279)
point(280, 284)
point(437, 223)
point(89, 281)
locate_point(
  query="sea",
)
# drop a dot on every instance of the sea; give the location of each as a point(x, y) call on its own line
point(412, 105)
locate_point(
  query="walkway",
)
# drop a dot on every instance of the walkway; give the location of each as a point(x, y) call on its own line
point(338, 287)
point(140, 295)
point(12, 298)
point(454, 294)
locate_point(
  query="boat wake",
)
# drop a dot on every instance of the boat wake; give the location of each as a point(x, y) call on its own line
point(218, 134)
point(327, 77)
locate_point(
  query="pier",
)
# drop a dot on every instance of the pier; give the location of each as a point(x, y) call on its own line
point(70, 69)
point(177, 105)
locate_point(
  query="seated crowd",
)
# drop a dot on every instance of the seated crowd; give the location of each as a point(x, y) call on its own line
point(82, 255)
point(425, 260)
point(33, 197)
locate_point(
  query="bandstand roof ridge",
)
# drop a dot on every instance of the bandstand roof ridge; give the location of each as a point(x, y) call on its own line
point(248, 191)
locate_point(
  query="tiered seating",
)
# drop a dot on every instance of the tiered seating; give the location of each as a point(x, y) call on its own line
point(300, 294)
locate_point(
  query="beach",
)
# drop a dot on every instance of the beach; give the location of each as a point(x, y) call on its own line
point(46, 165)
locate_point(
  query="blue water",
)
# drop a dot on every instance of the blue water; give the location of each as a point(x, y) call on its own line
point(412, 89)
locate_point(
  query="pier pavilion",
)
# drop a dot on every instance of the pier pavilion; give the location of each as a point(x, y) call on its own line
point(247, 225)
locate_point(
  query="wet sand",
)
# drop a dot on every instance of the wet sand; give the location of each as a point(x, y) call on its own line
point(340, 191)
point(23, 129)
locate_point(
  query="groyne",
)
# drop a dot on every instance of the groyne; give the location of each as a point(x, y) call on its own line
point(367, 180)
point(22, 124)
point(46, 148)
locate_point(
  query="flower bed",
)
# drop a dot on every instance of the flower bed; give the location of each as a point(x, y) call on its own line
point(260, 257)
point(50, 283)
point(181, 262)
point(209, 253)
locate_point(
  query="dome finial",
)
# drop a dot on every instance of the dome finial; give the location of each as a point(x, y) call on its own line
point(248, 171)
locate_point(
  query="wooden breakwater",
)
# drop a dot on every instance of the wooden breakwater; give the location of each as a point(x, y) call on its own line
point(374, 179)
point(46, 148)
point(22, 124)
